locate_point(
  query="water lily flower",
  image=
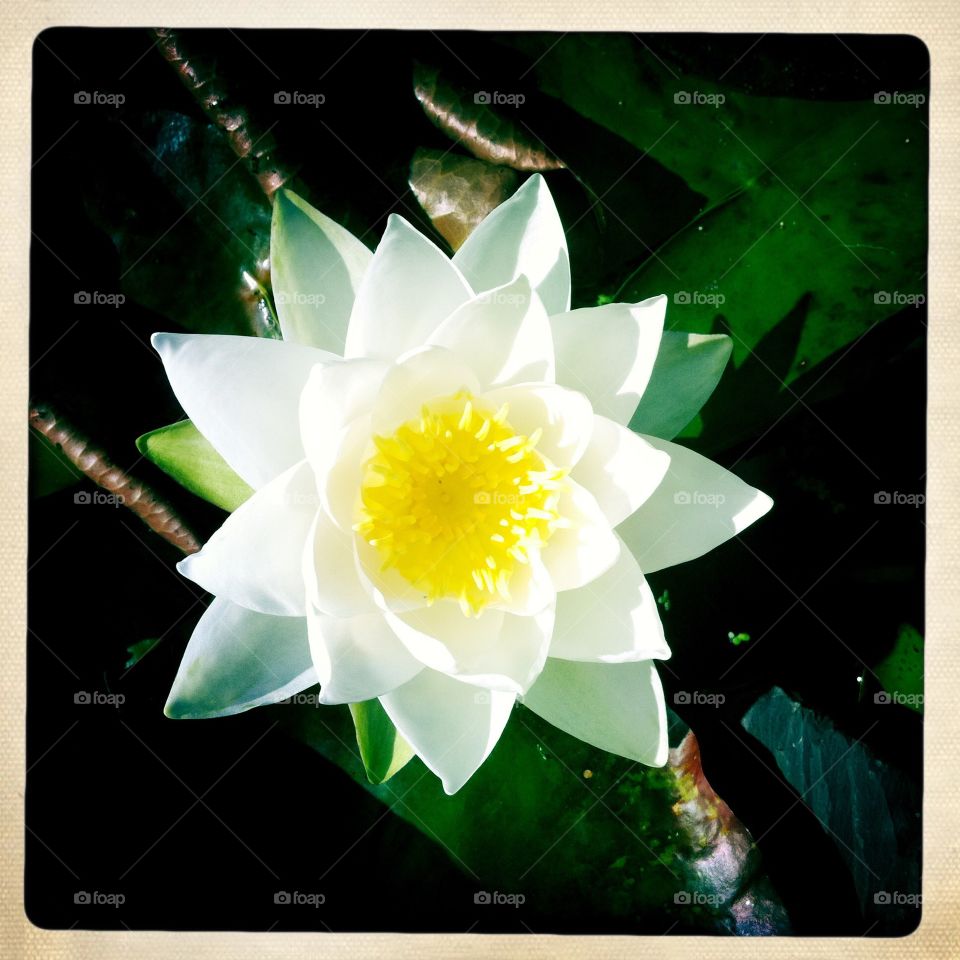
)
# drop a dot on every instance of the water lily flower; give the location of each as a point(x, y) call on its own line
point(451, 512)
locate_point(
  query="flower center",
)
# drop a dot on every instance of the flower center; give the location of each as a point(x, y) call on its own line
point(456, 500)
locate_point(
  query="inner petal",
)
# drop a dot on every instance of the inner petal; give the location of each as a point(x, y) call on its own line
point(456, 500)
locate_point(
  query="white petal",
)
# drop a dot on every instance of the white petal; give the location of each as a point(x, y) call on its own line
point(408, 289)
point(584, 547)
point(504, 334)
point(238, 659)
point(333, 396)
point(340, 492)
point(426, 374)
point(452, 726)
point(243, 394)
point(564, 416)
point(698, 506)
point(496, 650)
point(618, 707)
point(531, 589)
point(687, 369)
point(608, 352)
point(357, 658)
point(254, 558)
point(524, 235)
point(620, 469)
point(329, 571)
point(315, 267)
point(614, 619)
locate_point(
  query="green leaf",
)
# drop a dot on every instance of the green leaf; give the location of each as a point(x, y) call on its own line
point(574, 828)
point(901, 671)
point(50, 470)
point(382, 749)
point(182, 451)
point(813, 203)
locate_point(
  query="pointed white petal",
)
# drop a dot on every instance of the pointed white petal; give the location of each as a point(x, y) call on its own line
point(564, 416)
point(243, 394)
point(698, 506)
point(408, 289)
point(238, 659)
point(504, 334)
point(583, 548)
point(496, 650)
point(614, 619)
point(254, 558)
point(687, 369)
point(426, 374)
point(340, 492)
point(620, 469)
point(315, 267)
point(608, 352)
point(618, 707)
point(451, 725)
point(524, 235)
point(357, 658)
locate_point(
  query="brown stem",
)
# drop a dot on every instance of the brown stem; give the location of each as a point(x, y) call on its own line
point(94, 463)
point(255, 147)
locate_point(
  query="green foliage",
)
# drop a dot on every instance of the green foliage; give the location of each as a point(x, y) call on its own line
point(183, 452)
point(383, 751)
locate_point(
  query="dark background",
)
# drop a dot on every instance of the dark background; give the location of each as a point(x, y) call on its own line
point(196, 827)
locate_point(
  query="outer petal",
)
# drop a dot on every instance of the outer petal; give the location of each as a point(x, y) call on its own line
point(316, 267)
point(419, 376)
point(357, 658)
point(254, 558)
point(687, 369)
point(608, 352)
point(522, 236)
point(617, 707)
point(614, 619)
point(238, 659)
point(564, 416)
point(243, 394)
point(698, 506)
point(504, 334)
point(496, 650)
point(453, 726)
point(620, 469)
point(408, 289)
point(585, 547)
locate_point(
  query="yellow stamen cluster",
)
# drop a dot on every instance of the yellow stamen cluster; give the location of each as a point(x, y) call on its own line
point(456, 500)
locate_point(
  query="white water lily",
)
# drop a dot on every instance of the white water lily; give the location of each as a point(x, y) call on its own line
point(450, 511)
